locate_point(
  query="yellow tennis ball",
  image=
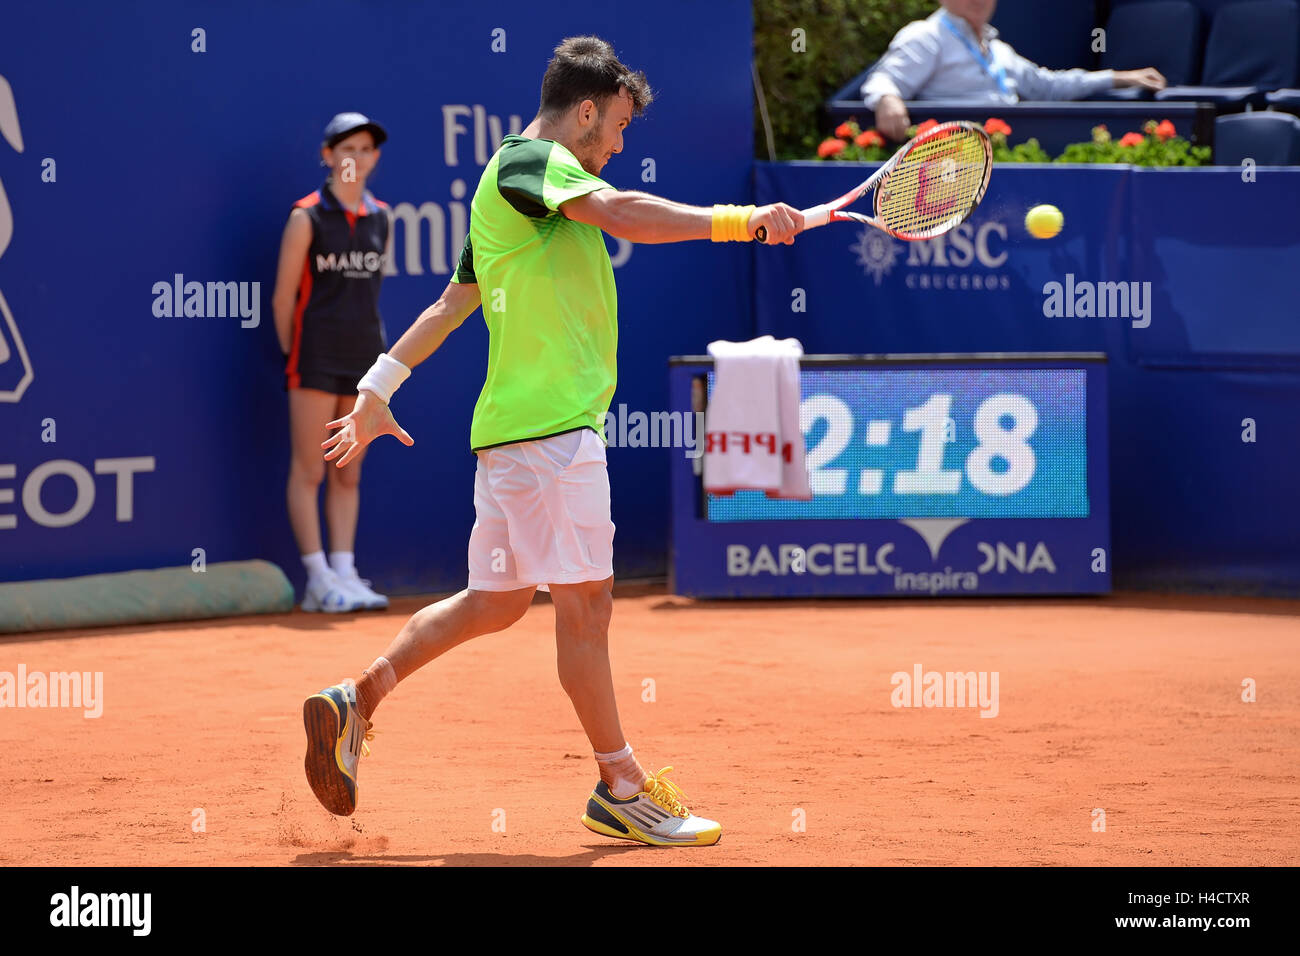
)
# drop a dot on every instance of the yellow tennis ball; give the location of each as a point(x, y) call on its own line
point(1043, 222)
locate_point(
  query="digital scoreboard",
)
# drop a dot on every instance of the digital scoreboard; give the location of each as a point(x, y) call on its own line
point(930, 475)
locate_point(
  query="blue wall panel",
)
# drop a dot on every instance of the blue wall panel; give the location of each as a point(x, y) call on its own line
point(1213, 257)
point(170, 161)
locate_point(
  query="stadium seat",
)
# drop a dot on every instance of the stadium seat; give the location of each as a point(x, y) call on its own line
point(1208, 8)
point(1057, 35)
point(1288, 100)
point(1270, 139)
point(1165, 34)
point(1254, 47)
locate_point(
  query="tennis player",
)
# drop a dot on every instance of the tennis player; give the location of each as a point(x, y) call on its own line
point(536, 261)
point(326, 306)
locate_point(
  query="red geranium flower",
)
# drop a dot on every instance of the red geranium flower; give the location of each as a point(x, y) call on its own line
point(830, 147)
point(1166, 130)
point(869, 138)
point(995, 125)
point(926, 126)
point(1132, 139)
point(844, 130)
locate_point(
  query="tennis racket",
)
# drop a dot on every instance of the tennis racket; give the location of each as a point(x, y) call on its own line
point(929, 186)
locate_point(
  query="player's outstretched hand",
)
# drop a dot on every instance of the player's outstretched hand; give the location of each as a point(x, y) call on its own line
point(368, 419)
point(777, 223)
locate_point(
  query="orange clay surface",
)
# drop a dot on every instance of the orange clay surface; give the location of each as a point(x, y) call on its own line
point(1131, 704)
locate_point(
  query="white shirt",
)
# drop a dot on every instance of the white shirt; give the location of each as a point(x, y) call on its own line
point(938, 58)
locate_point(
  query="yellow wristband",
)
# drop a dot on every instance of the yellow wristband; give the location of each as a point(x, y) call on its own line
point(731, 223)
point(721, 224)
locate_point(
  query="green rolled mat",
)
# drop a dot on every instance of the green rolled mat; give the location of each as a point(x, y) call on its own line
point(224, 589)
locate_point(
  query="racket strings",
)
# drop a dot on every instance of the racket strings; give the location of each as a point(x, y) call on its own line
point(938, 182)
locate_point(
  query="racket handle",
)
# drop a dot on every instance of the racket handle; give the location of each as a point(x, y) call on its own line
point(816, 216)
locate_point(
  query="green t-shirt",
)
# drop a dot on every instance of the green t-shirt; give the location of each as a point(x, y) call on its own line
point(548, 297)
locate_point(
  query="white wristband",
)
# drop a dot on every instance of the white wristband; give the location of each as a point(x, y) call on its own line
point(384, 377)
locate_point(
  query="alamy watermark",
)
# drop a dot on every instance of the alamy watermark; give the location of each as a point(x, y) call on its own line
point(1103, 300)
point(922, 688)
point(624, 429)
point(55, 689)
point(219, 300)
point(130, 910)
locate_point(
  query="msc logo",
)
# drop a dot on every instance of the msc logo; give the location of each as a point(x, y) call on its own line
point(944, 262)
point(15, 366)
point(877, 251)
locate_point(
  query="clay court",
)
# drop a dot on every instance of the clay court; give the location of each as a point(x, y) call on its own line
point(1130, 703)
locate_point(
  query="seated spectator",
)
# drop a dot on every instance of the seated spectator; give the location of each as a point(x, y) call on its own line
point(955, 55)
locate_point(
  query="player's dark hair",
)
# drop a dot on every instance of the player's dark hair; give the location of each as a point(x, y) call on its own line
point(585, 68)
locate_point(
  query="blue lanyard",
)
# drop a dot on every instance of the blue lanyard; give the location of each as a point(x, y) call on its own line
point(997, 72)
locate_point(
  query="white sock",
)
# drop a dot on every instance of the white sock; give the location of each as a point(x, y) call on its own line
point(342, 563)
point(384, 676)
point(315, 564)
point(621, 772)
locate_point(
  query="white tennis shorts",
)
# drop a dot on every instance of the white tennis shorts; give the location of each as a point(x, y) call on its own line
point(541, 514)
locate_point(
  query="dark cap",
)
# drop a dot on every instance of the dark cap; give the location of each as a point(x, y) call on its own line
point(345, 124)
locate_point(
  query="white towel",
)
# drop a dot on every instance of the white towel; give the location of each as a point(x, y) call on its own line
point(753, 439)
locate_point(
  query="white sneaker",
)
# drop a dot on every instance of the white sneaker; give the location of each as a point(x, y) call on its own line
point(656, 816)
point(359, 588)
point(329, 593)
point(336, 740)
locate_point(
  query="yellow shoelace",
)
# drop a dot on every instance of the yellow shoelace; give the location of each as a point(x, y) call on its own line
point(365, 747)
point(667, 794)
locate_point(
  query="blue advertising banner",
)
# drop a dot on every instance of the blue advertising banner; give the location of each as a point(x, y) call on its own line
point(1182, 277)
point(847, 288)
point(160, 145)
point(157, 144)
point(963, 475)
